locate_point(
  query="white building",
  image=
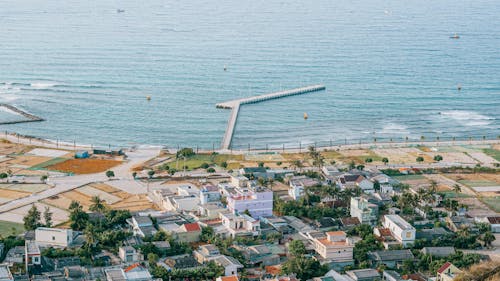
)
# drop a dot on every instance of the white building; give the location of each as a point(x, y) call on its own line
point(239, 181)
point(240, 225)
point(400, 229)
point(365, 211)
point(298, 184)
point(54, 237)
point(335, 246)
point(128, 254)
point(33, 255)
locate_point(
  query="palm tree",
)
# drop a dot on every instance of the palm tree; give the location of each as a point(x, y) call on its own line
point(97, 204)
point(457, 189)
point(487, 238)
point(90, 235)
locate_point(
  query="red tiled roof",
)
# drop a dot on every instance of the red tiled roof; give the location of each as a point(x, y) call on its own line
point(192, 227)
point(131, 267)
point(444, 267)
point(229, 278)
point(273, 270)
point(494, 220)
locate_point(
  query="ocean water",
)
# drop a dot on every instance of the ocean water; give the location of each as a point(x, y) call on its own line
point(390, 68)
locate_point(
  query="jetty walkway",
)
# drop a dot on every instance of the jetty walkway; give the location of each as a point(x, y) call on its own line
point(234, 105)
point(29, 117)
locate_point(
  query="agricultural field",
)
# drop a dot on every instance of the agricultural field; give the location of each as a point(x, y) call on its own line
point(477, 179)
point(114, 198)
point(84, 166)
point(8, 228)
point(195, 161)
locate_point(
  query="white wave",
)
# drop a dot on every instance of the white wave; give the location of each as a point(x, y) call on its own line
point(394, 129)
point(43, 85)
point(467, 118)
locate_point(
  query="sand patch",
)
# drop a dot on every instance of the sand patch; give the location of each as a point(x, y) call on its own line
point(84, 166)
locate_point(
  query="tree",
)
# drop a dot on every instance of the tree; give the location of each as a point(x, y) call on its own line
point(32, 219)
point(420, 159)
point(360, 167)
point(304, 267)
point(368, 160)
point(204, 166)
point(487, 238)
point(223, 164)
point(385, 160)
point(3, 175)
point(47, 216)
point(316, 156)
point(110, 174)
point(97, 204)
point(153, 258)
point(210, 170)
point(296, 248)
point(77, 216)
point(438, 158)
point(151, 173)
point(44, 178)
point(185, 152)
point(376, 185)
point(134, 174)
point(457, 189)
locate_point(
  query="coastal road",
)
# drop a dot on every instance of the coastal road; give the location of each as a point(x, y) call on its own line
point(63, 184)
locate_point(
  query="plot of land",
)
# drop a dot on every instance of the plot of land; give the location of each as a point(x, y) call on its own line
point(114, 197)
point(492, 202)
point(13, 194)
point(10, 228)
point(84, 166)
point(31, 188)
point(52, 153)
point(16, 215)
point(478, 179)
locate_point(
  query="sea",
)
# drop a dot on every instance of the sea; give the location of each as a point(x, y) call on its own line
point(391, 70)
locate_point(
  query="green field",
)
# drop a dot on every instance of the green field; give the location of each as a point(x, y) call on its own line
point(492, 202)
point(452, 194)
point(45, 164)
point(470, 183)
point(493, 153)
point(408, 177)
point(8, 228)
point(197, 160)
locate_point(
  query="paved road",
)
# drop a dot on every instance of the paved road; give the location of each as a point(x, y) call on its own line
point(63, 184)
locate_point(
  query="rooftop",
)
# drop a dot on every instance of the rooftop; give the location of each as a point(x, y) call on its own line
point(400, 222)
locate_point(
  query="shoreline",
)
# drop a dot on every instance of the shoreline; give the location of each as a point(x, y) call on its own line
point(47, 143)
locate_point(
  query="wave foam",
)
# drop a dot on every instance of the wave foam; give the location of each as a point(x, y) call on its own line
point(468, 118)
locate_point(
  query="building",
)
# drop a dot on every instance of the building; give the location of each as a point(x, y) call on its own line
point(440, 252)
point(128, 254)
point(209, 194)
point(391, 258)
point(390, 275)
point(230, 264)
point(366, 212)
point(447, 272)
point(81, 154)
point(363, 274)
point(494, 223)
point(240, 224)
point(227, 278)
point(334, 247)
point(33, 255)
point(298, 184)
point(400, 229)
point(5, 274)
point(188, 233)
point(257, 200)
point(239, 181)
point(355, 181)
point(143, 226)
point(257, 172)
point(259, 255)
point(53, 237)
point(135, 272)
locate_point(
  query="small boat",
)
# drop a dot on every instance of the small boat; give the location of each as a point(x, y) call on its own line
point(225, 68)
point(120, 11)
point(459, 87)
point(148, 98)
point(455, 36)
point(305, 116)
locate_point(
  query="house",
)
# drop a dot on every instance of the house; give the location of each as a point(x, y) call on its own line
point(257, 200)
point(15, 255)
point(128, 254)
point(366, 212)
point(457, 223)
point(256, 172)
point(440, 252)
point(33, 255)
point(430, 234)
point(185, 261)
point(135, 272)
point(298, 184)
point(209, 194)
point(74, 272)
point(363, 274)
point(384, 235)
point(400, 229)
point(188, 233)
point(390, 275)
point(240, 224)
point(330, 171)
point(258, 255)
point(349, 181)
point(230, 264)
point(335, 247)
point(239, 181)
point(53, 237)
point(349, 223)
point(391, 258)
point(161, 245)
point(143, 226)
point(5, 274)
point(206, 253)
point(494, 223)
point(211, 210)
point(447, 272)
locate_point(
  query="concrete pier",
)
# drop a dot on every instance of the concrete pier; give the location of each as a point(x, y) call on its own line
point(234, 105)
point(29, 117)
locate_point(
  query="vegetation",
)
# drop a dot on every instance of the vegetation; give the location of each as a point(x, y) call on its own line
point(32, 219)
point(208, 272)
point(110, 174)
point(185, 152)
point(296, 248)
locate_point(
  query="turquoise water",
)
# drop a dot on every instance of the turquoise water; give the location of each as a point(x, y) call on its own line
point(390, 69)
